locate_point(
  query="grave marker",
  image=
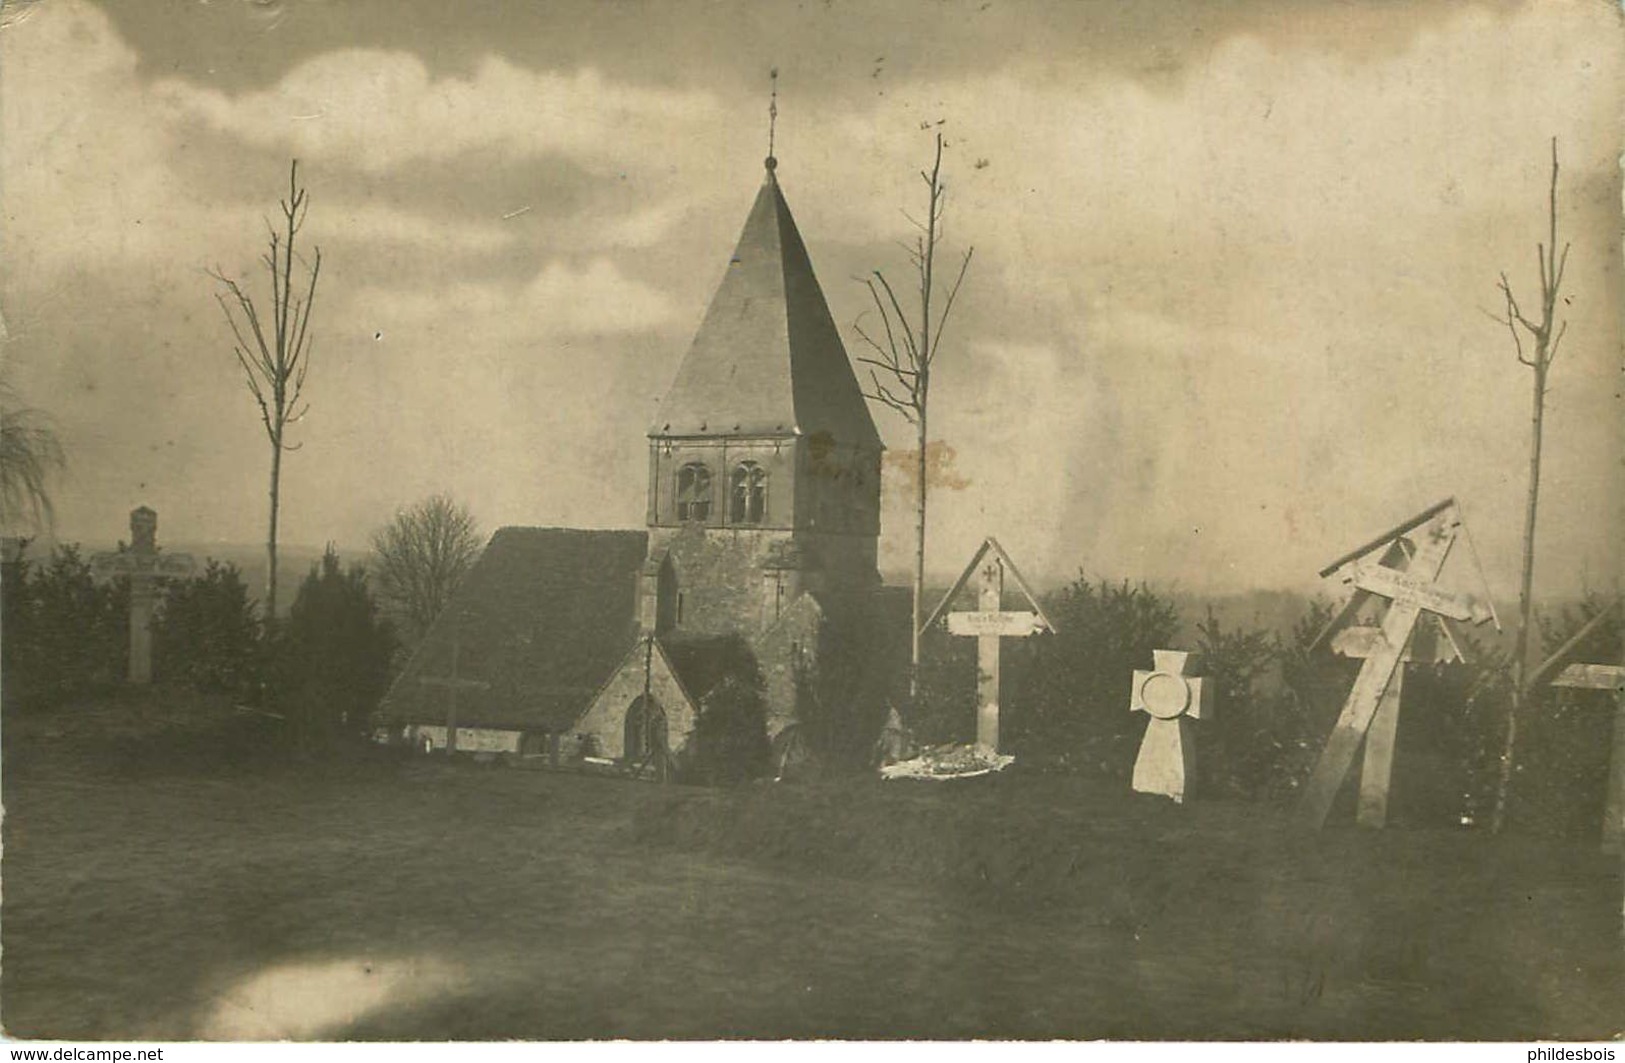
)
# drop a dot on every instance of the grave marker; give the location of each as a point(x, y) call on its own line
point(1420, 545)
point(988, 625)
point(144, 565)
point(1173, 697)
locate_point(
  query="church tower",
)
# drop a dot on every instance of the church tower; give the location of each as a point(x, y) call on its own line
point(764, 464)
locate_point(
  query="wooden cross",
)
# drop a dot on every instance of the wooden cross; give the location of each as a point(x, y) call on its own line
point(1559, 671)
point(144, 565)
point(1421, 544)
point(988, 625)
point(452, 684)
point(1428, 643)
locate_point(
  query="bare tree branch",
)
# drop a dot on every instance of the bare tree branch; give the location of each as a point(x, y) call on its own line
point(274, 354)
point(900, 372)
point(1545, 337)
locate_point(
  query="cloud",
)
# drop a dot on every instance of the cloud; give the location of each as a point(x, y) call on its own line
point(561, 300)
point(1240, 297)
point(1273, 278)
point(383, 109)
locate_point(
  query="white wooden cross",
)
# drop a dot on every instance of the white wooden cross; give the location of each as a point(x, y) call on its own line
point(1172, 695)
point(452, 684)
point(144, 565)
point(988, 625)
point(1559, 671)
point(1421, 544)
point(1429, 643)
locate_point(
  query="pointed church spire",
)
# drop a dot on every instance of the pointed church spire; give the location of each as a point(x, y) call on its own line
point(768, 358)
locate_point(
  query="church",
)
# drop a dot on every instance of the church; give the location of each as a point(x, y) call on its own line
point(756, 570)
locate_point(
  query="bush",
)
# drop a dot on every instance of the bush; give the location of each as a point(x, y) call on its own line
point(1254, 743)
point(1070, 691)
point(841, 701)
point(730, 737)
point(207, 635)
point(65, 634)
point(330, 661)
point(1565, 735)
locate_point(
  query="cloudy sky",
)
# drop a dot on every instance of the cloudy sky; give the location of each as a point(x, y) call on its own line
point(1226, 316)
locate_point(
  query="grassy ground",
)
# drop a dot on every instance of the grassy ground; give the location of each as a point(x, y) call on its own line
point(155, 888)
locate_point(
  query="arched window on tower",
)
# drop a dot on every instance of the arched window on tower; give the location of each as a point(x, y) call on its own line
point(749, 495)
point(693, 492)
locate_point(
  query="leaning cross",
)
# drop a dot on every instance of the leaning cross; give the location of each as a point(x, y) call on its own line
point(1429, 645)
point(1424, 540)
point(990, 624)
point(452, 684)
point(144, 565)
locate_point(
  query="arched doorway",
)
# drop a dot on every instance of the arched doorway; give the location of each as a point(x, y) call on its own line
point(645, 742)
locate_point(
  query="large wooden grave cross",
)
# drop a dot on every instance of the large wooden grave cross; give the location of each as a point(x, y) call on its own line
point(145, 565)
point(452, 684)
point(990, 624)
point(1412, 555)
point(1560, 671)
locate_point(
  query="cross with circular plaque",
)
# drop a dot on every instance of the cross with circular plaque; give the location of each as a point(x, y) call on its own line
point(1173, 698)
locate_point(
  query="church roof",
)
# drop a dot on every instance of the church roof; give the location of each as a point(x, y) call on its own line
point(543, 619)
point(768, 359)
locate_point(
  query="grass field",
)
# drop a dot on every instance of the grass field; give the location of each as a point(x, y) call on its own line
point(154, 888)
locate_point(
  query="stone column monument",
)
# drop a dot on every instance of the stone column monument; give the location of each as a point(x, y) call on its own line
point(144, 565)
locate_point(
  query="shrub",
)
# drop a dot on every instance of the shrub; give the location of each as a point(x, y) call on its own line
point(207, 634)
point(730, 737)
point(330, 662)
point(64, 633)
point(1560, 775)
point(1069, 691)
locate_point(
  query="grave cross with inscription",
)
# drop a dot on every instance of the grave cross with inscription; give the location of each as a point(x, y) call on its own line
point(144, 565)
point(1429, 644)
point(1421, 544)
point(988, 625)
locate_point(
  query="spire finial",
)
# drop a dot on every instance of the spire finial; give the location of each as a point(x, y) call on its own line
point(772, 118)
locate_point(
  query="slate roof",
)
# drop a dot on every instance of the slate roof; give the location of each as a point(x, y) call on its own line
point(544, 617)
point(768, 358)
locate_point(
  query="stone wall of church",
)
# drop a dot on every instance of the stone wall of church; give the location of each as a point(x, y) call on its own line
point(788, 646)
point(838, 488)
point(840, 503)
point(604, 723)
point(720, 457)
point(717, 576)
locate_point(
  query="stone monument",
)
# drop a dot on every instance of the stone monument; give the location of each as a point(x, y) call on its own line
point(144, 565)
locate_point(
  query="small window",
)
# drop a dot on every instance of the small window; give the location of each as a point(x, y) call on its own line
point(693, 492)
point(749, 495)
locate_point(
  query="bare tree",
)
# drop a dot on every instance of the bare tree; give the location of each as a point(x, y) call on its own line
point(904, 354)
point(422, 554)
point(274, 354)
point(1536, 344)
